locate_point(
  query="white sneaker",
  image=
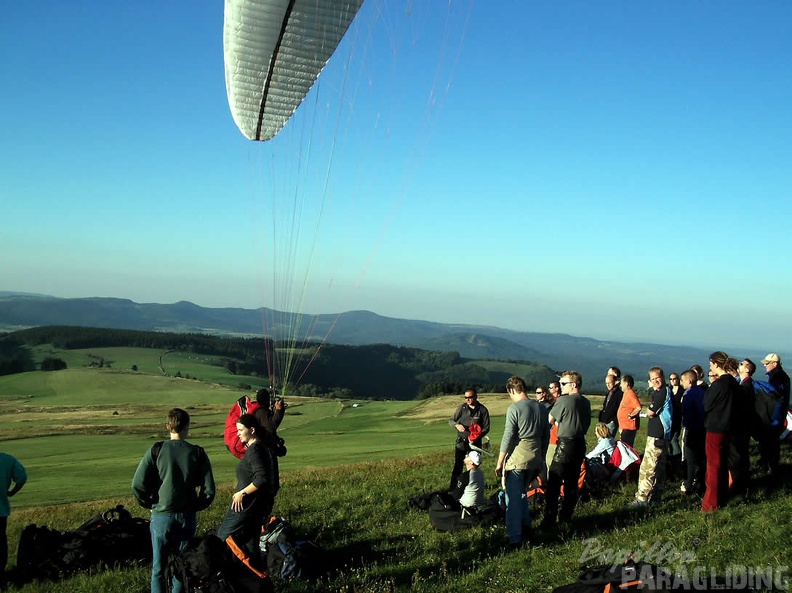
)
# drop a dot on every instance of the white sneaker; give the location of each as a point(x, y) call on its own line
point(682, 488)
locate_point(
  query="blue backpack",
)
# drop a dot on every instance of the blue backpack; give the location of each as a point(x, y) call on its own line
point(768, 403)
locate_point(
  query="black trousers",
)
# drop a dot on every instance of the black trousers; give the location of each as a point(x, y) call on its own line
point(696, 459)
point(564, 471)
point(460, 452)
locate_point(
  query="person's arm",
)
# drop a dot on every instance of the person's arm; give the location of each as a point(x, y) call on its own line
point(636, 411)
point(280, 411)
point(206, 491)
point(146, 477)
point(19, 476)
point(485, 422)
point(499, 466)
point(454, 420)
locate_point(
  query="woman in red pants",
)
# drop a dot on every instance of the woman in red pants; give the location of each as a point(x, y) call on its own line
point(719, 405)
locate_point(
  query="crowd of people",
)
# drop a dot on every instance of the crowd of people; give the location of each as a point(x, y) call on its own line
point(698, 430)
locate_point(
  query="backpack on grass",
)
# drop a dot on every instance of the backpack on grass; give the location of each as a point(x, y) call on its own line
point(210, 565)
point(612, 578)
point(289, 556)
point(450, 516)
point(111, 538)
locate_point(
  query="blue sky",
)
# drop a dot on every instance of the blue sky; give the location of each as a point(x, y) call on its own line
point(619, 170)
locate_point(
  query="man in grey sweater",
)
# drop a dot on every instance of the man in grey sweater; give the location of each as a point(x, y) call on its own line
point(520, 458)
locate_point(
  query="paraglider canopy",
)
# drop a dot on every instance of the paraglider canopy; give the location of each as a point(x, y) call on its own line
point(274, 50)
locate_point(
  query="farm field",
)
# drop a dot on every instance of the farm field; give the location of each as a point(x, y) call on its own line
point(82, 432)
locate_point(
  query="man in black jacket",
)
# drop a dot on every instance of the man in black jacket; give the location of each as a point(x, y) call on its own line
point(610, 406)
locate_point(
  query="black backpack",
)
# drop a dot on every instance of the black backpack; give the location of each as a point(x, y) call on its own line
point(445, 515)
point(111, 538)
point(207, 565)
point(612, 578)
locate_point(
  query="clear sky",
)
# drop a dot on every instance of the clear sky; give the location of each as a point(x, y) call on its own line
point(612, 169)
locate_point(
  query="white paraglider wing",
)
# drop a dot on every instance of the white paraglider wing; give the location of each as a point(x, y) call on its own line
point(274, 51)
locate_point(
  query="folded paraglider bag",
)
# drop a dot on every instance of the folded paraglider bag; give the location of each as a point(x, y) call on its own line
point(447, 517)
point(611, 578)
point(111, 538)
point(209, 565)
point(422, 502)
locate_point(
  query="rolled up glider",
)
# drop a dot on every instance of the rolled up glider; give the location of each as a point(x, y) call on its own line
point(274, 51)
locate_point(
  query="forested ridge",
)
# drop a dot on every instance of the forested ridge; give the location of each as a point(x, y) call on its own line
point(373, 371)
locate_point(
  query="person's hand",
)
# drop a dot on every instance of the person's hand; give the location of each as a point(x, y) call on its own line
point(460, 427)
point(237, 501)
point(498, 472)
point(279, 404)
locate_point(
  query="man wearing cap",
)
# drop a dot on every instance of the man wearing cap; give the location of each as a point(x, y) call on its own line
point(520, 458)
point(471, 486)
point(770, 448)
point(472, 423)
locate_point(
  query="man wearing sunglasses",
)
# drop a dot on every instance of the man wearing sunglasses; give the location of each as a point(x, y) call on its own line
point(470, 413)
point(572, 414)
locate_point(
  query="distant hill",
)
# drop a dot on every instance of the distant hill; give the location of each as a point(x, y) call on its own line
point(558, 351)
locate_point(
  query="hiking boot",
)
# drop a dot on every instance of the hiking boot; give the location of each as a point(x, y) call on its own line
point(639, 504)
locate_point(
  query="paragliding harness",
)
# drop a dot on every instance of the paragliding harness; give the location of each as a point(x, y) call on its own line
point(244, 405)
point(624, 462)
point(289, 556)
point(768, 403)
point(446, 514)
point(210, 565)
point(113, 537)
point(610, 578)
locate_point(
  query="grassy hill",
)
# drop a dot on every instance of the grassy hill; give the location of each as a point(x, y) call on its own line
point(378, 371)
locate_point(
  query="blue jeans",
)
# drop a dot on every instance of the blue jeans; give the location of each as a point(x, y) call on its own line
point(517, 511)
point(170, 533)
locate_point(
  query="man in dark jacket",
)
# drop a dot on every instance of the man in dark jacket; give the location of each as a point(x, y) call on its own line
point(695, 434)
point(771, 445)
point(466, 415)
point(611, 403)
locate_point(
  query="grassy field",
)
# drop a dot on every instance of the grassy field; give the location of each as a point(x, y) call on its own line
point(345, 483)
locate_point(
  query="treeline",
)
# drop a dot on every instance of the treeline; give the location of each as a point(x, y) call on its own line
point(380, 371)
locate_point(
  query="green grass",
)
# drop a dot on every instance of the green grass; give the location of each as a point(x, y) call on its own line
point(359, 514)
point(345, 483)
